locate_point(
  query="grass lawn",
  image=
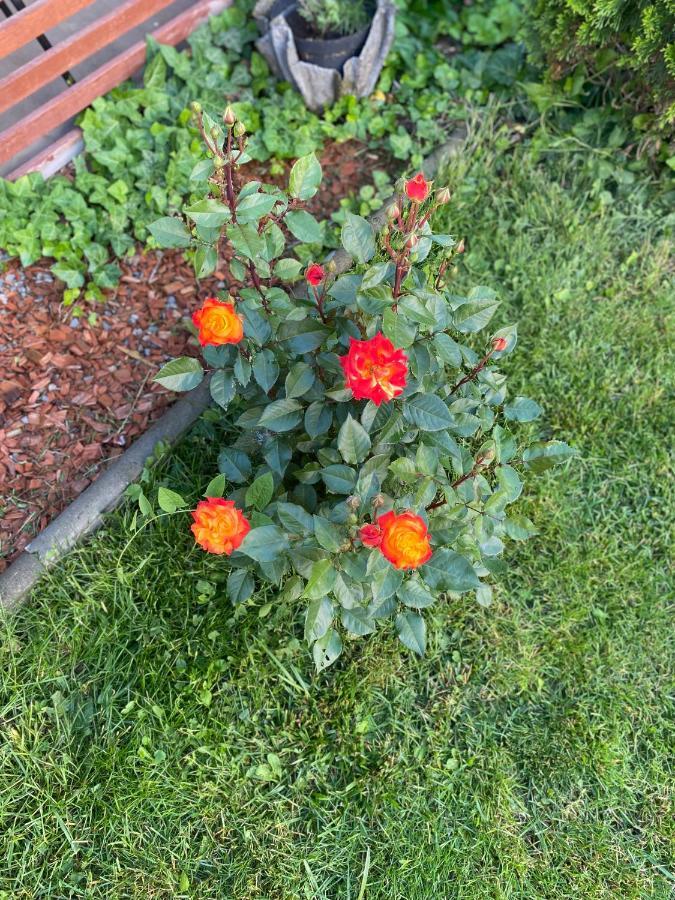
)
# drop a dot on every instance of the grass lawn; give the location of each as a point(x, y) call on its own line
point(156, 743)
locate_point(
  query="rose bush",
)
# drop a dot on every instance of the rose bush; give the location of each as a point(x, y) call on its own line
point(374, 454)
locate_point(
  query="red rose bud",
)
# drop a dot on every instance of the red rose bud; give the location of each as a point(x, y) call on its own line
point(229, 117)
point(413, 241)
point(499, 344)
point(315, 274)
point(417, 188)
point(370, 535)
point(460, 247)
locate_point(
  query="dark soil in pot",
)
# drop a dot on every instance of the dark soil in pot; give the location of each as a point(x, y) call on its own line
point(331, 51)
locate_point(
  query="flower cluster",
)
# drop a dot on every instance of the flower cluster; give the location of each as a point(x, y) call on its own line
point(372, 451)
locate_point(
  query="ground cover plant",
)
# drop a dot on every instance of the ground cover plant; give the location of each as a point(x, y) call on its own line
point(156, 741)
point(447, 60)
point(370, 452)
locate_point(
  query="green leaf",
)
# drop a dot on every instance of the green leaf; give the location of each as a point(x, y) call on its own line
point(265, 369)
point(234, 464)
point(404, 469)
point(484, 595)
point(294, 518)
point(170, 232)
point(545, 455)
point(208, 213)
point(412, 631)
point(326, 650)
point(321, 579)
point(357, 621)
point(264, 544)
point(305, 177)
point(253, 207)
point(215, 487)
point(449, 571)
point(428, 412)
point(353, 441)
point(246, 240)
point(413, 593)
point(327, 534)
point(299, 380)
point(288, 269)
point(358, 238)
point(303, 337)
point(222, 387)
point(260, 492)
point(376, 274)
point(399, 331)
point(476, 314)
point(318, 619)
point(180, 374)
point(386, 582)
point(303, 226)
point(339, 479)
point(522, 409)
point(169, 500)
point(240, 586)
point(242, 370)
point(318, 418)
point(448, 350)
point(519, 528)
point(281, 415)
point(205, 261)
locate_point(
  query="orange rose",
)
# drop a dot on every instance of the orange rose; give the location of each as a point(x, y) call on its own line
point(219, 527)
point(218, 323)
point(375, 370)
point(405, 539)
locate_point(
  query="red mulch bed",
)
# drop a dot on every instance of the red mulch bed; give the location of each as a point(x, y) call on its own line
point(74, 396)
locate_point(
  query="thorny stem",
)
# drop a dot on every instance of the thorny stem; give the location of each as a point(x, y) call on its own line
point(229, 186)
point(319, 297)
point(472, 374)
point(200, 125)
point(474, 471)
point(258, 286)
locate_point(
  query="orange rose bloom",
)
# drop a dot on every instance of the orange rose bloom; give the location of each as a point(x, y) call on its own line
point(417, 188)
point(218, 323)
point(219, 527)
point(375, 370)
point(405, 539)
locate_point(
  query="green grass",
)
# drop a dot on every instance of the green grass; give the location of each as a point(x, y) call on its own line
point(157, 743)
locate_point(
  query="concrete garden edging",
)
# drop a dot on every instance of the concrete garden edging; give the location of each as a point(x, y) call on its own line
point(85, 514)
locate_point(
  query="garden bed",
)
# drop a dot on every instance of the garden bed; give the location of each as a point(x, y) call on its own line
point(67, 405)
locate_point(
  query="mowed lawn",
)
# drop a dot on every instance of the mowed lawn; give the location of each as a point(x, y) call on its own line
point(156, 743)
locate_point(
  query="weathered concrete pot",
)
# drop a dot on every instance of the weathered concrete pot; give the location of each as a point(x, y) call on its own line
point(321, 85)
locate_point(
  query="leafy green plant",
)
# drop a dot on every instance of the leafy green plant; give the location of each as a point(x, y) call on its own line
point(632, 43)
point(334, 17)
point(372, 453)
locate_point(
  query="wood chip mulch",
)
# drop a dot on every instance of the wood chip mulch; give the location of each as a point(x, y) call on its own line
point(73, 396)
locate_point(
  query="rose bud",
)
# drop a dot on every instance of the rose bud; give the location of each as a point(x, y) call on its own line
point(196, 107)
point(417, 188)
point(443, 196)
point(370, 535)
point(377, 501)
point(378, 95)
point(413, 241)
point(499, 344)
point(218, 162)
point(239, 129)
point(353, 502)
point(460, 247)
point(393, 212)
point(229, 117)
point(315, 274)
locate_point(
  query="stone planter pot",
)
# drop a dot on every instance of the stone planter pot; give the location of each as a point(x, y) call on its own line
point(323, 70)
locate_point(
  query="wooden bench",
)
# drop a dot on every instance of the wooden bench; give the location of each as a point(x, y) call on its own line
point(31, 23)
